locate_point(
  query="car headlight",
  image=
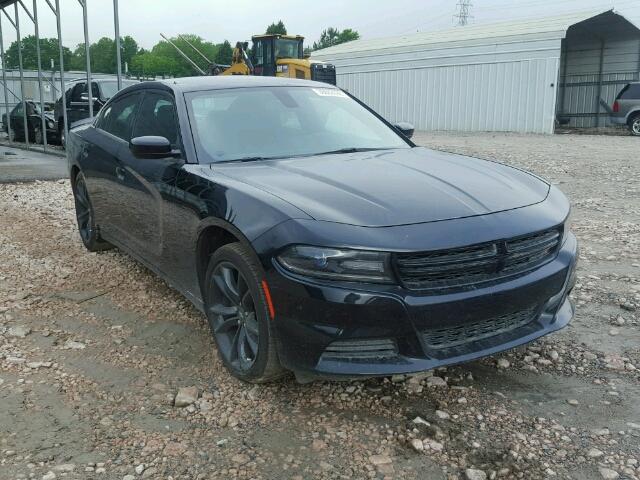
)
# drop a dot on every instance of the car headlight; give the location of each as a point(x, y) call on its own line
point(50, 124)
point(338, 264)
point(282, 68)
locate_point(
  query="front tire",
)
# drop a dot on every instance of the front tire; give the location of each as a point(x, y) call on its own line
point(84, 215)
point(634, 125)
point(238, 315)
point(38, 138)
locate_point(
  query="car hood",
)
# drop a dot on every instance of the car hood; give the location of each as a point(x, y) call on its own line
point(391, 187)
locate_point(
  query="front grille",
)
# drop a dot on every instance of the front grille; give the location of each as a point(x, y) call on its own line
point(448, 337)
point(468, 267)
point(369, 350)
point(323, 72)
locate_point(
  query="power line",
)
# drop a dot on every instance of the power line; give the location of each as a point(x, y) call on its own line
point(463, 15)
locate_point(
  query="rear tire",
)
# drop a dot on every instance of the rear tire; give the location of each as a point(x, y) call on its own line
point(634, 125)
point(87, 228)
point(238, 315)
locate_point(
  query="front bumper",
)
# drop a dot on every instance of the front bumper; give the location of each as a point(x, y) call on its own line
point(313, 320)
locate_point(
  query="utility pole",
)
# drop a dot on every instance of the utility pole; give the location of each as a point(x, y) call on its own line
point(463, 15)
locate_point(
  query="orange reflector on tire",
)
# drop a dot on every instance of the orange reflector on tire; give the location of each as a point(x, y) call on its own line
point(267, 295)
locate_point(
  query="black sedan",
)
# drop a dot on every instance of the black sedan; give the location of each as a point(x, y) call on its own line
point(34, 123)
point(315, 236)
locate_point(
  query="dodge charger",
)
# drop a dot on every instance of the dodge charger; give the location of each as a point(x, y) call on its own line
point(314, 235)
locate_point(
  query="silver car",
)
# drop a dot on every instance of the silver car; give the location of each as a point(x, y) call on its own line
point(626, 109)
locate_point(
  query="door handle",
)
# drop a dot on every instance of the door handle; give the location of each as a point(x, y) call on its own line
point(120, 173)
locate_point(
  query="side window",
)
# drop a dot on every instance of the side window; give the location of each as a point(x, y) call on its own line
point(68, 95)
point(78, 90)
point(103, 117)
point(259, 55)
point(630, 92)
point(157, 118)
point(119, 117)
point(18, 110)
point(95, 90)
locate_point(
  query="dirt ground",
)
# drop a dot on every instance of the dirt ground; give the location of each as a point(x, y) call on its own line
point(94, 348)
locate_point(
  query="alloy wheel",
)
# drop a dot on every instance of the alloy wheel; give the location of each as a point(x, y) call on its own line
point(38, 136)
point(635, 126)
point(83, 209)
point(235, 322)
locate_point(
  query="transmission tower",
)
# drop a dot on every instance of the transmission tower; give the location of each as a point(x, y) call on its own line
point(463, 15)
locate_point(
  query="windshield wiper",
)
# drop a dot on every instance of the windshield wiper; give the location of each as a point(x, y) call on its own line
point(331, 152)
point(349, 150)
point(249, 159)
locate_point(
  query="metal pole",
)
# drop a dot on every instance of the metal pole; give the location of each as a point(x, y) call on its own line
point(65, 127)
point(38, 54)
point(87, 47)
point(184, 55)
point(24, 103)
point(600, 79)
point(4, 84)
point(116, 23)
point(194, 47)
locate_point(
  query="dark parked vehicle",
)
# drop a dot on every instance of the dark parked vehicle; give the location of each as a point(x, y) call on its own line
point(626, 109)
point(77, 99)
point(34, 123)
point(316, 236)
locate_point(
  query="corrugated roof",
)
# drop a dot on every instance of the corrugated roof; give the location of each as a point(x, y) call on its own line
point(549, 25)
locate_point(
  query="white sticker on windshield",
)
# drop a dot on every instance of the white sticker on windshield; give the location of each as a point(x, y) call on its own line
point(330, 92)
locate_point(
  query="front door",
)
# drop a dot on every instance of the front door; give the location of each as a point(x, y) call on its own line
point(265, 64)
point(78, 102)
point(148, 181)
point(105, 173)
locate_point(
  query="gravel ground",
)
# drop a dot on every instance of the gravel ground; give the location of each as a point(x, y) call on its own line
point(107, 373)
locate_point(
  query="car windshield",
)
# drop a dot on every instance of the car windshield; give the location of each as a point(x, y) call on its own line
point(276, 122)
point(109, 89)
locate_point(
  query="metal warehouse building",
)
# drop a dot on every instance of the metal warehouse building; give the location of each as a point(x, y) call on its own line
point(521, 76)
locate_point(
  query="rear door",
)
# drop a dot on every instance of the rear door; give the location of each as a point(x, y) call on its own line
point(629, 99)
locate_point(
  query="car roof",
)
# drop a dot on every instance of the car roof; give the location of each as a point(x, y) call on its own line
point(221, 82)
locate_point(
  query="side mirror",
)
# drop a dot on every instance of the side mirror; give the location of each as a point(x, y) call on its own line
point(405, 129)
point(150, 147)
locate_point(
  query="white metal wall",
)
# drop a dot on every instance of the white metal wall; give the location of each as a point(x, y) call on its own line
point(505, 85)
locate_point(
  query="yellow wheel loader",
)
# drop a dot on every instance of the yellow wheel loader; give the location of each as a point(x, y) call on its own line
point(270, 56)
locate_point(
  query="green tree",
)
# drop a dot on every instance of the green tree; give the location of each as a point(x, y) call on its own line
point(225, 54)
point(49, 50)
point(164, 59)
point(129, 49)
point(103, 56)
point(332, 36)
point(78, 62)
point(277, 29)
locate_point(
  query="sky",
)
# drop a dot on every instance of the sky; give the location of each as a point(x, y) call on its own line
point(235, 20)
